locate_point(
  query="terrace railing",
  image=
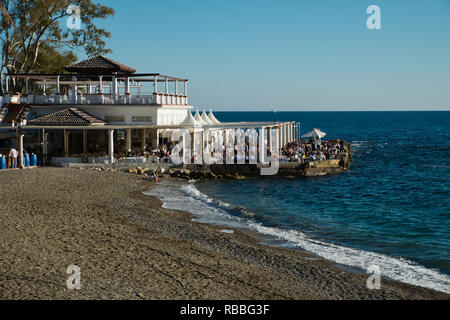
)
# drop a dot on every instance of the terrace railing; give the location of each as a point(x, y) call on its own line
point(100, 99)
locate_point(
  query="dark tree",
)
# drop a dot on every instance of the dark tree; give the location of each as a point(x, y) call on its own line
point(34, 36)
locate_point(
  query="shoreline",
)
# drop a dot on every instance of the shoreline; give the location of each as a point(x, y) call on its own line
point(282, 238)
point(129, 247)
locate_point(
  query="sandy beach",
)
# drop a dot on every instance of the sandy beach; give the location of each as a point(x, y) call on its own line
point(128, 247)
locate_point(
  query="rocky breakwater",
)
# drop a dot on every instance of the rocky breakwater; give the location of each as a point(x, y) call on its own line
point(243, 171)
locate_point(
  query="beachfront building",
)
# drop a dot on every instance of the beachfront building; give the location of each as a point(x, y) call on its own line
point(101, 110)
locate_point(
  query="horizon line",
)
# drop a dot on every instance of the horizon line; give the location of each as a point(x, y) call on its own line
point(328, 110)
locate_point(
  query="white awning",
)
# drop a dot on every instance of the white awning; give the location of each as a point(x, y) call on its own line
point(314, 133)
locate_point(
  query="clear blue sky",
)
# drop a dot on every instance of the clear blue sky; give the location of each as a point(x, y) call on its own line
point(296, 55)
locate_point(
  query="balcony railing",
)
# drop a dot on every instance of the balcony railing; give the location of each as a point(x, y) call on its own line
point(99, 99)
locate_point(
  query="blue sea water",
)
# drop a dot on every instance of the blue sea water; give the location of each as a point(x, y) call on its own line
point(391, 209)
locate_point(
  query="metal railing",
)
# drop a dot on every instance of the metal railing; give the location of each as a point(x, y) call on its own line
point(99, 99)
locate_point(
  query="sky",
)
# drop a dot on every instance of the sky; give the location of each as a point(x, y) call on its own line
point(291, 55)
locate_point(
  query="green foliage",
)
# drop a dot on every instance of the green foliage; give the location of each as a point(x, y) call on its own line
point(34, 37)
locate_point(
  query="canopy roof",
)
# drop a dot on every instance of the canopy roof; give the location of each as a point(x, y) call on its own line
point(314, 133)
point(212, 117)
point(190, 121)
point(67, 117)
point(100, 65)
point(198, 118)
point(205, 118)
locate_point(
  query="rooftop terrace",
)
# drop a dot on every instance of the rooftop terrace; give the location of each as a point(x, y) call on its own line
point(97, 81)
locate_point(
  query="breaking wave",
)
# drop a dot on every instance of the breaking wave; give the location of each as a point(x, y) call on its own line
point(186, 197)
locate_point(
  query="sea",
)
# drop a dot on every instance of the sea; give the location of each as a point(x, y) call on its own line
point(390, 210)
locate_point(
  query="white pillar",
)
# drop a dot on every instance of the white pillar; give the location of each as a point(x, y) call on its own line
point(184, 146)
point(128, 139)
point(176, 87)
point(290, 131)
point(185, 88)
point(100, 85)
point(74, 90)
point(114, 88)
point(285, 134)
point(281, 136)
point(262, 147)
point(167, 86)
point(58, 86)
point(277, 137)
point(20, 146)
point(143, 139)
point(293, 131)
point(155, 85)
point(111, 146)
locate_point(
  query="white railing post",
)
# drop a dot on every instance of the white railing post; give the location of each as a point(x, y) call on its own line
point(127, 90)
point(262, 149)
point(58, 88)
point(100, 89)
point(114, 88)
point(74, 90)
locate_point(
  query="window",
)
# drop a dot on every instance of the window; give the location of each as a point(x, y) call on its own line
point(115, 118)
point(141, 119)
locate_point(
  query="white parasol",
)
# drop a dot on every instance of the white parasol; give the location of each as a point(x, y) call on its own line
point(316, 133)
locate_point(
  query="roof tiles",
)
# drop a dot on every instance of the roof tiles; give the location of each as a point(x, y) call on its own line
point(67, 117)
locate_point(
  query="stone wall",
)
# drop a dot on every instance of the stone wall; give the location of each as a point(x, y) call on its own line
point(286, 169)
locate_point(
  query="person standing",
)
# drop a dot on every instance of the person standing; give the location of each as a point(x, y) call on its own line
point(13, 154)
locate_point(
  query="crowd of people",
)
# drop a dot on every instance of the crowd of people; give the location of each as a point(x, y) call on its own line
point(298, 151)
point(312, 150)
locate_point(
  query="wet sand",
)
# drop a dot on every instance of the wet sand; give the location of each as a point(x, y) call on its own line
point(128, 247)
